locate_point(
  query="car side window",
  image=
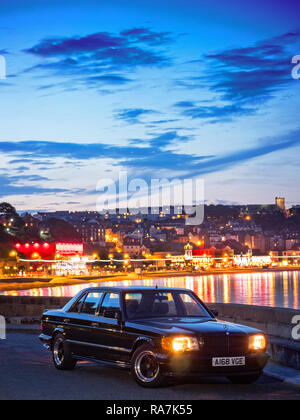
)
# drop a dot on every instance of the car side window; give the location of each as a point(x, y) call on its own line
point(91, 304)
point(77, 305)
point(132, 304)
point(111, 302)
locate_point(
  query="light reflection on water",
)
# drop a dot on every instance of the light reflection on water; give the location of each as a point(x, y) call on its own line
point(279, 289)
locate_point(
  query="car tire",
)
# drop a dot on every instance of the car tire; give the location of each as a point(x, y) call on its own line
point(244, 379)
point(61, 354)
point(145, 368)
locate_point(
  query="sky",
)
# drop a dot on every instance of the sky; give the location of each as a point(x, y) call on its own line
point(160, 89)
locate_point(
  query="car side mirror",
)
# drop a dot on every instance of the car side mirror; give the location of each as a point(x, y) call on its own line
point(215, 312)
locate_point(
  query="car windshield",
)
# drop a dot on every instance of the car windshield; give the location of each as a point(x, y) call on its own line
point(157, 304)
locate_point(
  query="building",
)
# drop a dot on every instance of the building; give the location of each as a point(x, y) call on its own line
point(280, 203)
point(291, 244)
point(257, 242)
point(293, 256)
point(133, 246)
point(75, 265)
point(46, 251)
point(91, 232)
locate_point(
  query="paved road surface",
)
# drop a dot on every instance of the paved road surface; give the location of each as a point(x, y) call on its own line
point(26, 372)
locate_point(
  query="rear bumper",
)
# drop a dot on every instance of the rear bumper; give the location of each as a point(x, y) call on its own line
point(197, 365)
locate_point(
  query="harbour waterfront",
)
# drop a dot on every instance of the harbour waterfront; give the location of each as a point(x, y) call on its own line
point(275, 289)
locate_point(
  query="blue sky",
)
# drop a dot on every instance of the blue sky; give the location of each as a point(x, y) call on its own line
point(165, 88)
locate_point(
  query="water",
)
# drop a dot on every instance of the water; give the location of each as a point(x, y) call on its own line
point(280, 289)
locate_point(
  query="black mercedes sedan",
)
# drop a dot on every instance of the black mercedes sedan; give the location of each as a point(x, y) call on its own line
point(158, 333)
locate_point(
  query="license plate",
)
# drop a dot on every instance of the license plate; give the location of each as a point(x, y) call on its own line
point(228, 361)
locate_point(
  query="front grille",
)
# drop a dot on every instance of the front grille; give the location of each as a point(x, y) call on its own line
point(238, 344)
point(224, 345)
point(215, 345)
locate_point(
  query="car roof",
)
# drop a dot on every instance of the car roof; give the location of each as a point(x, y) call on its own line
point(135, 289)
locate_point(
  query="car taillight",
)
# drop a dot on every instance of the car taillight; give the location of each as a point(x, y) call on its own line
point(41, 325)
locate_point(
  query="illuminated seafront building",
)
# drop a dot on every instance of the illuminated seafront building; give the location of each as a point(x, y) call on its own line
point(213, 257)
point(195, 257)
point(59, 258)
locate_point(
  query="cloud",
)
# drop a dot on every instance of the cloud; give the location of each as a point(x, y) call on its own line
point(107, 79)
point(147, 36)
point(132, 115)
point(82, 152)
point(252, 74)
point(100, 58)
point(185, 104)
point(22, 168)
point(245, 77)
point(143, 156)
point(18, 161)
point(213, 113)
point(76, 45)
point(264, 147)
point(161, 122)
point(12, 185)
point(167, 139)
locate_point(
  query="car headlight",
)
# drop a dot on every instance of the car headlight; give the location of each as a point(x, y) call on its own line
point(178, 344)
point(257, 342)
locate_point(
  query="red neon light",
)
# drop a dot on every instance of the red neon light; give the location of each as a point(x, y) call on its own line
point(45, 250)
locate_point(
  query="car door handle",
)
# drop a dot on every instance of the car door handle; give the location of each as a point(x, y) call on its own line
point(66, 320)
point(95, 324)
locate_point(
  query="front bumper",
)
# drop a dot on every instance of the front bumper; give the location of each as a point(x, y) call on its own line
point(188, 364)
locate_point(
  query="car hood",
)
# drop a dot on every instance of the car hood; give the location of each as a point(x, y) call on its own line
point(194, 326)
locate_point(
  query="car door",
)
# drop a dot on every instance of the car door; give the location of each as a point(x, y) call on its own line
point(81, 324)
point(70, 321)
point(109, 332)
